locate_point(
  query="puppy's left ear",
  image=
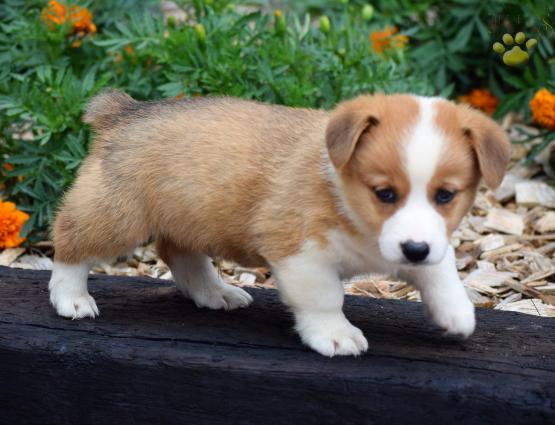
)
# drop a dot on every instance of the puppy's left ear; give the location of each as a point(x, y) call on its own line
point(347, 123)
point(490, 143)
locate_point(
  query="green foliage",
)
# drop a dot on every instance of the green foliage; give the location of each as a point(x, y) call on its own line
point(45, 82)
point(453, 41)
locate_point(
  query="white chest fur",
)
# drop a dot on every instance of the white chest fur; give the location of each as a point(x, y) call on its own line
point(349, 256)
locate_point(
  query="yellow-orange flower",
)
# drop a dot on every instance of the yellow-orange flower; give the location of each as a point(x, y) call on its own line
point(11, 222)
point(543, 108)
point(79, 18)
point(482, 99)
point(386, 39)
point(128, 49)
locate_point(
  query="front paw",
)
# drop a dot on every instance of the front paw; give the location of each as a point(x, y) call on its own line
point(331, 334)
point(455, 319)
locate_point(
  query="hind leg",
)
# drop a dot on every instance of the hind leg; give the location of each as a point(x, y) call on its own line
point(68, 291)
point(90, 226)
point(197, 279)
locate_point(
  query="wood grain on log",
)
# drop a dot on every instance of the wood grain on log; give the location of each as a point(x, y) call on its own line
point(153, 357)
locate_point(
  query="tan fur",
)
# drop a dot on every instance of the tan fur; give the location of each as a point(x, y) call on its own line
point(376, 161)
point(490, 143)
point(346, 126)
point(238, 179)
point(475, 144)
point(167, 250)
point(226, 177)
point(103, 111)
point(458, 169)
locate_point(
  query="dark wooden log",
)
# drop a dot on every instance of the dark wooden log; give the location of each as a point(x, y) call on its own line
point(152, 357)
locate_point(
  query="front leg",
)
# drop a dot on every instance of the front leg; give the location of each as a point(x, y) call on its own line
point(315, 294)
point(443, 295)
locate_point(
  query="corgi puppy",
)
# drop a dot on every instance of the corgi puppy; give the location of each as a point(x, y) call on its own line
point(376, 185)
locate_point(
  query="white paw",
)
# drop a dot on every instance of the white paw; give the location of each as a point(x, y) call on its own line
point(331, 335)
point(74, 307)
point(221, 297)
point(68, 291)
point(456, 319)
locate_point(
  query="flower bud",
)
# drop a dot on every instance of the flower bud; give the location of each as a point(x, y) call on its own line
point(325, 24)
point(279, 23)
point(201, 33)
point(171, 22)
point(367, 12)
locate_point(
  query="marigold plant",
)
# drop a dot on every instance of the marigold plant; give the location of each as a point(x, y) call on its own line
point(386, 39)
point(542, 106)
point(217, 50)
point(80, 19)
point(482, 99)
point(11, 222)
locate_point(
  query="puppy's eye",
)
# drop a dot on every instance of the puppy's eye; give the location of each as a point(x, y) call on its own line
point(444, 196)
point(386, 195)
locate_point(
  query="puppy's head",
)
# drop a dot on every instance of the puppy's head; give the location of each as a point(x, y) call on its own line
point(409, 167)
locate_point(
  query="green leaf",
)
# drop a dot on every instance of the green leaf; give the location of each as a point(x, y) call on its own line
point(88, 80)
point(537, 149)
point(540, 68)
point(508, 103)
point(427, 52)
point(461, 40)
point(513, 80)
point(28, 226)
point(485, 33)
point(22, 159)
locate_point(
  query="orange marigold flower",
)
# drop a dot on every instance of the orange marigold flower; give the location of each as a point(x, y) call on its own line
point(128, 49)
point(386, 39)
point(482, 99)
point(11, 222)
point(79, 18)
point(543, 108)
point(54, 13)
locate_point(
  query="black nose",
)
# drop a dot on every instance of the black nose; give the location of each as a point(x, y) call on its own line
point(415, 251)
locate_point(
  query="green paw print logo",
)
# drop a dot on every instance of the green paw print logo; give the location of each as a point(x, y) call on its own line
point(516, 56)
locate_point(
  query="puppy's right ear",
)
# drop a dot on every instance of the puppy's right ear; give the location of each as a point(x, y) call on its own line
point(347, 124)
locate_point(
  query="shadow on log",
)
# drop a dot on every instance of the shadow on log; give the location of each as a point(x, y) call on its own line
point(153, 358)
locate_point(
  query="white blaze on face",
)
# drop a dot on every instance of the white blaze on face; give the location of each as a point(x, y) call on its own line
point(417, 220)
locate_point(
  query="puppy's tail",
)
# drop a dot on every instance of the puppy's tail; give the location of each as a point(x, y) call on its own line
point(104, 110)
